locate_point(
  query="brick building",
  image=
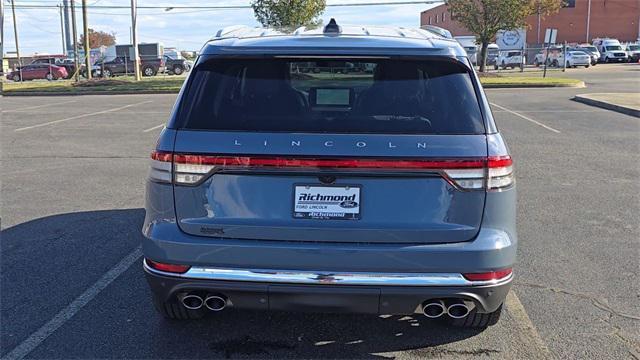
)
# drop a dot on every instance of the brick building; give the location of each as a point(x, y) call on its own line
point(618, 19)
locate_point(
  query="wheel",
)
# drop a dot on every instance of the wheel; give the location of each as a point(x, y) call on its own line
point(16, 77)
point(586, 66)
point(568, 64)
point(554, 63)
point(476, 319)
point(495, 66)
point(536, 63)
point(148, 71)
point(175, 311)
point(606, 59)
point(108, 73)
point(178, 70)
point(49, 76)
point(504, 67)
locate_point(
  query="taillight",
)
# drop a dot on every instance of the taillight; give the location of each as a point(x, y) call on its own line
point(467, 174)
point(171, 268)
point(500, 172)
point(488, 276)
point(160, 168)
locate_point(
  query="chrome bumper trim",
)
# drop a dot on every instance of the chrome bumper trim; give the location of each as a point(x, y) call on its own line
point(329, 278)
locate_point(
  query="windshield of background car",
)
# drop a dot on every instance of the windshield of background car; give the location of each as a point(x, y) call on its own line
point(613, 47)
point(332, 96)
point(633, 47)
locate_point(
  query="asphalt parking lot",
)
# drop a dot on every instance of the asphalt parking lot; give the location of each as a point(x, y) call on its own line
point(72, 285)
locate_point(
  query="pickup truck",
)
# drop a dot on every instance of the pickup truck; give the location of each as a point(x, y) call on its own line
point(68, 64)
point(120, 66)
point(176, 65)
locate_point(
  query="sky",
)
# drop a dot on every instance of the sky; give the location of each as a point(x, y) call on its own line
point(186, 29)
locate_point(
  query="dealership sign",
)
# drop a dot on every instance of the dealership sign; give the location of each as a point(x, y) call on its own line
point(511, 39)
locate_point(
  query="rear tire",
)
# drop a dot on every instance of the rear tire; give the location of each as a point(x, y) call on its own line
point(175, 311)
point(49, 77)
point(16, 77)
point(476, 319)
point(178, 70)
point(148, 71)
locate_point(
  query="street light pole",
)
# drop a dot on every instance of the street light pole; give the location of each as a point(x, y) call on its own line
point(75, 38)
point(15, 33)
point(134, 37)
point(87, 48)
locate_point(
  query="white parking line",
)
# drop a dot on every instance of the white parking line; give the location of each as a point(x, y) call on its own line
point(526, 118)
point(70, 310)
point(80, 116)
point(38, 106)
point(153, 128)
point(526, 329)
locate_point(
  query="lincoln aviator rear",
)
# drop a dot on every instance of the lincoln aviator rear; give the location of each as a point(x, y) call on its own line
point(340, 169)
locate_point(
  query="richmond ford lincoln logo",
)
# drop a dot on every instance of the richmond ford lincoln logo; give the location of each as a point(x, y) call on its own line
point(344, 201)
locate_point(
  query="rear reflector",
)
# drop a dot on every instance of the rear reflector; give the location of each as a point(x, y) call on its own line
point(467, 174)
point(487, 276)
point(171, 268)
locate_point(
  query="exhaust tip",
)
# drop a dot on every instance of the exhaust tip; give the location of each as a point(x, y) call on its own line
point(192, 301)
point(458, 310)
point(434, 309)
point(215, 302)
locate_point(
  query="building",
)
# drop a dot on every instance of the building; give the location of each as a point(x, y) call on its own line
point(579, 21)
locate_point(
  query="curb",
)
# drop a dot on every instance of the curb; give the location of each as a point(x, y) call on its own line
point(534, 86)
point(607, 105)
point(104, 92)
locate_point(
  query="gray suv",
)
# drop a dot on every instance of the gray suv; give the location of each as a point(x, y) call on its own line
point(283, 182)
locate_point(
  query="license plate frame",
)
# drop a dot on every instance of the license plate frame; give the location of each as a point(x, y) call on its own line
point(335, 209)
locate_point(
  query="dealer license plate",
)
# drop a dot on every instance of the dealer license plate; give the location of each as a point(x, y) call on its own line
point(326, 202)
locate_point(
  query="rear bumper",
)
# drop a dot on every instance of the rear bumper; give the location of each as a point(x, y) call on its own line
point(374, 293)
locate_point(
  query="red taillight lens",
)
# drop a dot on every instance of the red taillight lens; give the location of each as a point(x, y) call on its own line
point(488, 276)
point(171, 268)
point(467, 174)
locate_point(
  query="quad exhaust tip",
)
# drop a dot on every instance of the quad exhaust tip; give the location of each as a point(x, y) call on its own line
point(192, 301)
point(215, 302)
point(434, 309)
point(456, 309)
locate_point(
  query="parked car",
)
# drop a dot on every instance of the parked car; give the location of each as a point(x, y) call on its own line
point(68, 64)
point(38, 71)
point(176, 65)
point(610, 50)
point(575, 58)
point(510, 59)
point(389, 192)
point(633, 52)
point(591, 50)
point(120, 66)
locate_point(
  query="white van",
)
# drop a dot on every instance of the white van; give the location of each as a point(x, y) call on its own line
point(610, 50)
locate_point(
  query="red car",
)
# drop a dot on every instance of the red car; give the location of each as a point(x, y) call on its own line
point(38, 71)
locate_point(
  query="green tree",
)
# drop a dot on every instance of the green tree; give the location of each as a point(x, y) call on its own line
point(288, 14)
point(485, 18)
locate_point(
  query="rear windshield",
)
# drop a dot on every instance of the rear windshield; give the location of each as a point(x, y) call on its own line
point(332, 96)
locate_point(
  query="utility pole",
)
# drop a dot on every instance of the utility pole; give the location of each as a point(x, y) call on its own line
point(87, 49)
point(67, 29)
point(15, 33)
point(64, 47)
point(588, 19)
point(134, 37)
point(75, 39)
point(1, 37)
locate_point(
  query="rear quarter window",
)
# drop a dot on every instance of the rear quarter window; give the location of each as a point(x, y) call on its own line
point(386, 96)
